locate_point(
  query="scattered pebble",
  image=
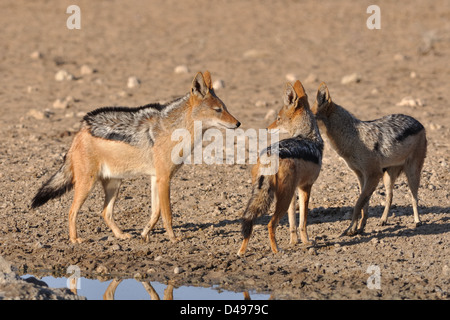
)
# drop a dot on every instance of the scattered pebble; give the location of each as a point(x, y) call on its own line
point(375, 91)
point(133, 82)
point(446, 270)
point(36, 55)
point(31, 89)
point(177, 270)
point(116, 247)
point(181, 69)
point(63, 103)
point(291, 77)
point(255, 53)
point(410, 102)
point(218, 84)
point(400, 57)
point(62, 75)
point(101, 269)
point(38, 115)
point(260, 103)
point(85, 69)
point(351, 78)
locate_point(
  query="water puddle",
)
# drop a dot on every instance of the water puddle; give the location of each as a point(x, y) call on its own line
point(132, 289)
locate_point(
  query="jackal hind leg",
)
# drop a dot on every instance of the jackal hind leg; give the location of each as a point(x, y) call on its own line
point(282, 205)
point(82, 188)
point(111, 188)
point(304, 194)
point(292, 221)
point(156, 211)
point(389, 177)
point(412, 171)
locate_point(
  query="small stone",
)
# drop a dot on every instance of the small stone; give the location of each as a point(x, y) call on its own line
point(158, 258)
point(413, 75)
point(31, 89)
point(351, 78)
point(410, 102)
point(218, 84)
point(36, 55)
point(38, 115)
point(177, 270)
point(38, 245)
point(399, 57)
point(60, 104)
point(446, 270)
point(62, 75)
point(116, 247)
point(255, 53)
point(260, 104)
point(133, 82)
point(181, 69)
point(291, 77)
point(63, 103)
point(138, 276)
point(85, 69)
point(101, 269)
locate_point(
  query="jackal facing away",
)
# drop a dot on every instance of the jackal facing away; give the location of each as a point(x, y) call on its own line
point(373, 149)
point(115, 143)
point(300, 160)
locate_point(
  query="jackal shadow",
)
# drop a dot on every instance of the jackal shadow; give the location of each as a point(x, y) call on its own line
point(320, 215)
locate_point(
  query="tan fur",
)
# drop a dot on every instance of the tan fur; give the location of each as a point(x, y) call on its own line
point(92, 158)
point(293, 174)
point(354, 141)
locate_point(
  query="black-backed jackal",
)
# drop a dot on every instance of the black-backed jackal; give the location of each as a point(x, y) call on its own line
point(300, 160)
point(115, 143)
point(373, 149)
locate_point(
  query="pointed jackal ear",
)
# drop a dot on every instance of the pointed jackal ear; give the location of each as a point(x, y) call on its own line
point(290, 96)
point(323, 95)
point(207, 77)
point(298, 87)
point(199, 87)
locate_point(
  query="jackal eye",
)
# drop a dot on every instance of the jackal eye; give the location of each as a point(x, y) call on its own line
point(217, 109)
point(278, 118)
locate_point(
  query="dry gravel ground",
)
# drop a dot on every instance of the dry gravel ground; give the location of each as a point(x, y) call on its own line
point(252, 47)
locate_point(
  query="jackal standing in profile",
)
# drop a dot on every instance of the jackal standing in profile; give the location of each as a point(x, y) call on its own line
point(373, 149)
point(115, 143)
point(300, 160)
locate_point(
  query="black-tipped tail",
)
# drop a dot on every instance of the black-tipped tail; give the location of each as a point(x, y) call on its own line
point(259, 204)
point(56, 186)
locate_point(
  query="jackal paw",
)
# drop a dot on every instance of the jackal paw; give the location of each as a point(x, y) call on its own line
point(145, 239)
point(124, 236)
point(77, 240)
point(417, 224)
point(350, 233)
point(176, 239)
point(383, 222)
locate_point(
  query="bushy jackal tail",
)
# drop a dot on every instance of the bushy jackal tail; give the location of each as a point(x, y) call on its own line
point(259, 203)
point(56, 186)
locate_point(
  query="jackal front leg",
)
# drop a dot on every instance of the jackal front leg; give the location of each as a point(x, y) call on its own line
point(164, 203)
point(156, 211)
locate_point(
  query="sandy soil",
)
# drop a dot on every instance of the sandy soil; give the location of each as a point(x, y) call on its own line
point(252, 46)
